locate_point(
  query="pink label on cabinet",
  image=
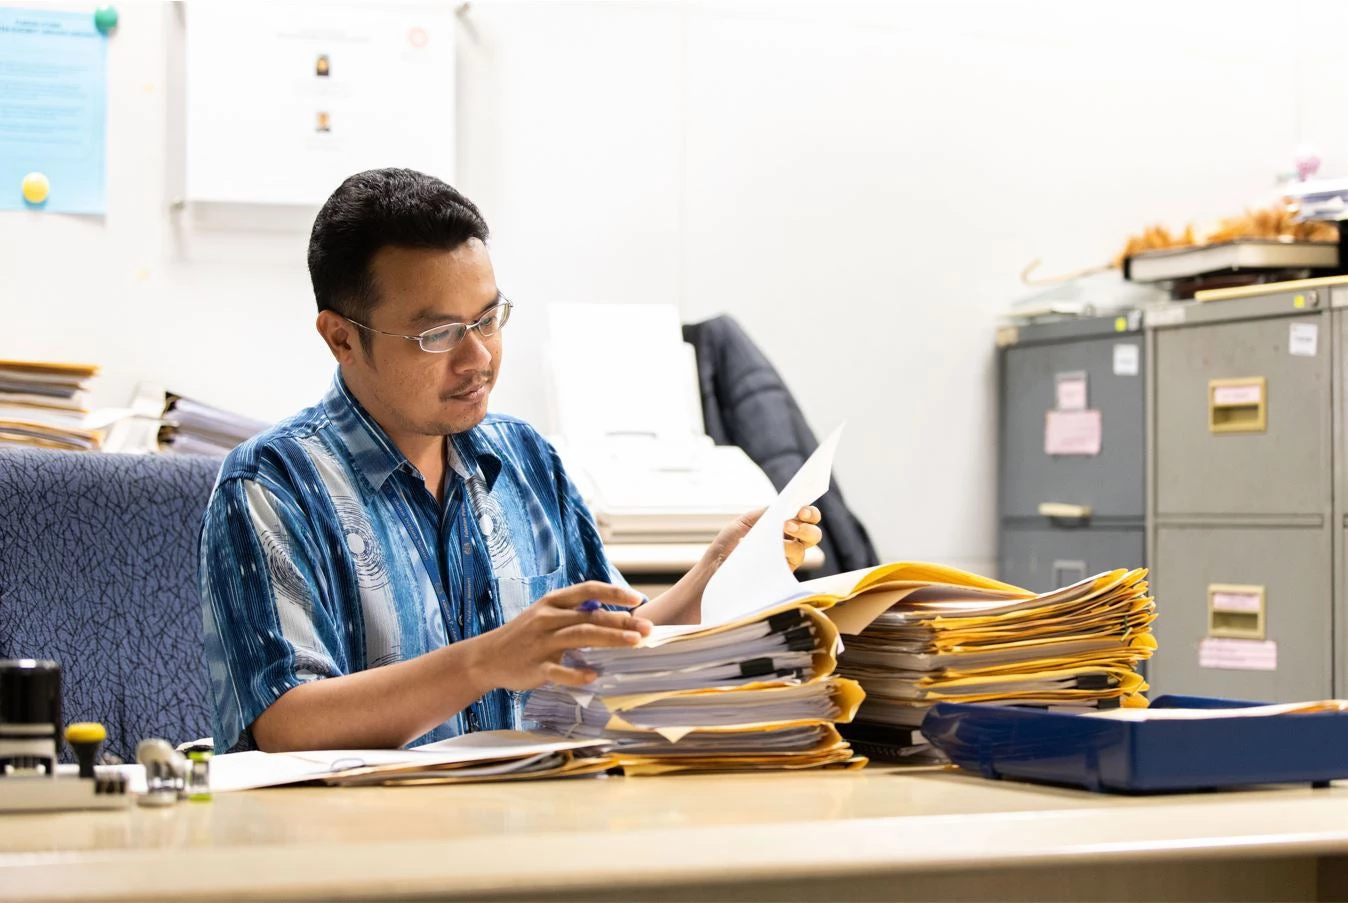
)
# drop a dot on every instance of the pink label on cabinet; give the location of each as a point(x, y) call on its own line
point(1242, 602)
point(1072, 433)
point(1238, 655)
point(1071, 392)
point(1234, 395)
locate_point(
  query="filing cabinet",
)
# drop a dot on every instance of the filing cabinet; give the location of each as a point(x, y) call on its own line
point(1241, 486)
point(1047, 557)
point(1339, 303)
point(1071, 448)
point(1279, 575)
point(1242, 423)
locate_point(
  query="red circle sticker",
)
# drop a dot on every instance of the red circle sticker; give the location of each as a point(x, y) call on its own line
point(417, 37)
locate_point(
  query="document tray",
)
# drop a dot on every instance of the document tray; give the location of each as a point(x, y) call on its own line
point(1142, 756)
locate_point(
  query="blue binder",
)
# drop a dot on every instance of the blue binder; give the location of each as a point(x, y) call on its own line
point(1141, 756)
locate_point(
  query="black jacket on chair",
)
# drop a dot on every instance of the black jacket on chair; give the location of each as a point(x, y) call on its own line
point(745, 402)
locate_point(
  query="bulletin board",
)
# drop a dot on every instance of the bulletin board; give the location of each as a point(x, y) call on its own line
point(284, 100)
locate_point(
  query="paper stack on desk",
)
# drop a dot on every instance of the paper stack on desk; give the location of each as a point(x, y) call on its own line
point(470, 758)
point(963, 638)
point(736, 691)
point(751, 687)
point(755, 693)
point(43, 405)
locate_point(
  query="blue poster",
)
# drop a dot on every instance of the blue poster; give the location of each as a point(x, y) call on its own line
point(53, 111)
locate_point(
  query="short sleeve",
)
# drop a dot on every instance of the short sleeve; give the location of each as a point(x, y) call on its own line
point(266, 626)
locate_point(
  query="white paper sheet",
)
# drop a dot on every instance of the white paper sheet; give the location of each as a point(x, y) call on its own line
point(756, 575)
point(1257, 711)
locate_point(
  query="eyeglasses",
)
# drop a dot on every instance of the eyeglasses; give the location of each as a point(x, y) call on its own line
point(446, 337)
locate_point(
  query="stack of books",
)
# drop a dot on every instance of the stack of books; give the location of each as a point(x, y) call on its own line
point(758, 692)
point(42, 405)
point(947, 636)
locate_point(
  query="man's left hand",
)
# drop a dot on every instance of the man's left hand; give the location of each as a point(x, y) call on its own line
point(799, 534)
point(802, 534)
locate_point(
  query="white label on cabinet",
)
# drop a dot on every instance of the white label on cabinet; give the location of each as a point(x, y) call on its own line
point(1303, 339)
point(1238, 655)
point(1126, 357)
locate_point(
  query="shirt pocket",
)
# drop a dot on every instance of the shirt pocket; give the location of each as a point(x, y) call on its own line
point(518, 593)
point(515, 595)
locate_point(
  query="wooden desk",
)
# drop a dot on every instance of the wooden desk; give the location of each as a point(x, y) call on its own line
point(875, 834)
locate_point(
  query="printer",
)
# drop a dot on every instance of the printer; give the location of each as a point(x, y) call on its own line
point(627, 416)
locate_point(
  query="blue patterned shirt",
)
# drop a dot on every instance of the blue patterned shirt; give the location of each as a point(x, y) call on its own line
point(323, 553)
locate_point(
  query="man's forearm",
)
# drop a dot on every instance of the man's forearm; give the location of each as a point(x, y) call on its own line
point(682, 602)
point(379, 708)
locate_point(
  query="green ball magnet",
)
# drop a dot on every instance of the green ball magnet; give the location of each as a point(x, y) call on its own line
point(105, 19)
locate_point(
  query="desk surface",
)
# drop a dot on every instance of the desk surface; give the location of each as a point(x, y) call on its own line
point(634, 834)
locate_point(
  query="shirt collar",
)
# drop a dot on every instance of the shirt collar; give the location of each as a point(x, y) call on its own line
point(374, 453)
point(476, 456)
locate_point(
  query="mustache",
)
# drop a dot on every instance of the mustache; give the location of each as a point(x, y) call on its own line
point(479, 379)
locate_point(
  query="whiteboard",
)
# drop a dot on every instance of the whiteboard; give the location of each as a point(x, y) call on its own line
point(285, 100)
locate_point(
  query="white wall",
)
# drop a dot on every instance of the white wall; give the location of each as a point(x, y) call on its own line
point(860, 184)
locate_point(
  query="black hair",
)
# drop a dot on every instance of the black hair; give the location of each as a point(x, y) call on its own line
point(377, 209)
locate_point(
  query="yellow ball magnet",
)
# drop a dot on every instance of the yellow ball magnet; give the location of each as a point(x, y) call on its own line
point(35, 188)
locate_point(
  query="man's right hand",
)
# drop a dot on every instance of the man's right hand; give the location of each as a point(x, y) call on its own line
point(527, 652)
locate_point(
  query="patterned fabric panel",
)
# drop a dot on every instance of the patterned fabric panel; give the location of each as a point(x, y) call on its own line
point(98, 556)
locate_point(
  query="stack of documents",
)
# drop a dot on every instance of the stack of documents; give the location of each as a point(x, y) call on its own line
point(944, 635)
point(470, 758)
point(751, 687)
point(194, 428)
point(756, 692)
point(754, 685)
point(1320, 199)
point(43, 405)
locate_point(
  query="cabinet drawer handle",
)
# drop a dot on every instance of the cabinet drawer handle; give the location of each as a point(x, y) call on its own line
point(1062, 510)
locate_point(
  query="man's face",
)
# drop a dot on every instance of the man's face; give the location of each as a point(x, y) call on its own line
point(411, 391)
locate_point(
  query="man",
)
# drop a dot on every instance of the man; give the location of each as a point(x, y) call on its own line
point(394, 564)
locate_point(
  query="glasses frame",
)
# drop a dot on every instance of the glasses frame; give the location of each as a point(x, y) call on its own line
point(420, 338)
